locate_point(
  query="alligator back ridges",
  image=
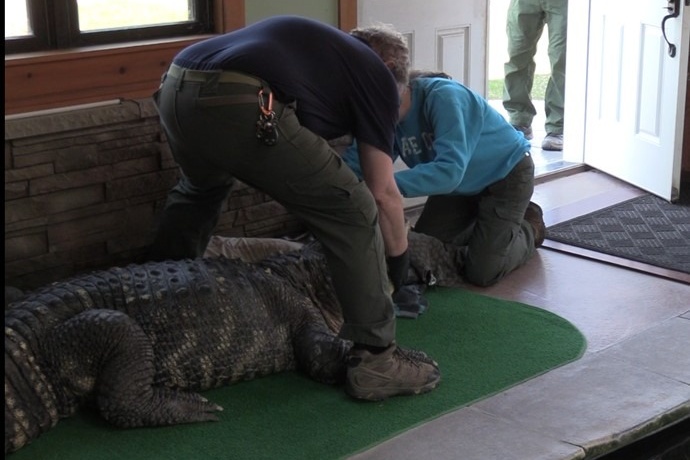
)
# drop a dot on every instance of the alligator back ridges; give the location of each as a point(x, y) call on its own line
point(140, 337)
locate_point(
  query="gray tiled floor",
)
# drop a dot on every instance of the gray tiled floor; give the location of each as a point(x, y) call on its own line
point(633, 380)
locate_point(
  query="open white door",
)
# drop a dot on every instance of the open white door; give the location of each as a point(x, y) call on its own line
point(634, 90)
point(447, 35)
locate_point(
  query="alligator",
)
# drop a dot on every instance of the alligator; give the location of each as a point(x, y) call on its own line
point(432, 262)
point(141, 342)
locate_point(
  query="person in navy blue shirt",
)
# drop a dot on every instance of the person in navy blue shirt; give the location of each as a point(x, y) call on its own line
point(477, 173)
point(260, 105)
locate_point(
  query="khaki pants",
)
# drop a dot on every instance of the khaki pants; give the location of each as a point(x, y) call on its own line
point(213, 139)
point(525, 24)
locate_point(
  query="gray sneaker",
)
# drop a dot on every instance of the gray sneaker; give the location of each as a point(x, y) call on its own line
point(552, 142)
point(526, 130)
point(393, 372)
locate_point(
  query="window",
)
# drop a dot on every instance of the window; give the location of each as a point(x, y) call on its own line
point(39, 25)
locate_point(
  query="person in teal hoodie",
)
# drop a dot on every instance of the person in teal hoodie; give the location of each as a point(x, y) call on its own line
point(476, 171)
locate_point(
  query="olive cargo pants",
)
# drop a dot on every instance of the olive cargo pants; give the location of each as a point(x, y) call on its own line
point(489, 227)
point(211, 129)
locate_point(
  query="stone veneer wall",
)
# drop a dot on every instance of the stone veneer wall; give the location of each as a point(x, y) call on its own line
point(83, 189)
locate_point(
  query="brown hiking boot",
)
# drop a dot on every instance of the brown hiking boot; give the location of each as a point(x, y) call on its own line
point(393, 372)
point(535, 216)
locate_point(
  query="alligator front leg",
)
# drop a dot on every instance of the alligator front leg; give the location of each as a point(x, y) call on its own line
point(433, 262)
point(320, 354)
point(105, 353)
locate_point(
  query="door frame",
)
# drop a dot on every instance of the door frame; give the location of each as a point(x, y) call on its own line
point(576, 86)
point(347, 14)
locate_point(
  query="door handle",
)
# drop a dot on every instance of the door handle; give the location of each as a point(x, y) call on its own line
point(673, 8)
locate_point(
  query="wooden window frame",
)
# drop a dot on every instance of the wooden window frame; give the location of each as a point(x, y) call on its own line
point(62, 31)
point(64, 78)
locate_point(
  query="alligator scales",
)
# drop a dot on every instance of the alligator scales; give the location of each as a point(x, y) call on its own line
point(141, 341)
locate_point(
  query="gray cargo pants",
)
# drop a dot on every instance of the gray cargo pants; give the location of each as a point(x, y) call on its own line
point(211, 129)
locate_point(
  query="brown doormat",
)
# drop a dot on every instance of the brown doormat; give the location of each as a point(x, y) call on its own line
point(645, 229)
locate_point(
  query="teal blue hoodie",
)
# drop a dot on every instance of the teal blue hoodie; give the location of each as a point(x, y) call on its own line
point(452, 141)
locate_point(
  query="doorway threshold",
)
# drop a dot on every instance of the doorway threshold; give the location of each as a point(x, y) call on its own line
point(556, 170)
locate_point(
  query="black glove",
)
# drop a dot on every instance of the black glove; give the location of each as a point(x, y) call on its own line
point(408, 301)
point(398, 267)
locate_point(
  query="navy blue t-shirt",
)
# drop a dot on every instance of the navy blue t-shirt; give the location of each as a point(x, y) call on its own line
point(340, 85)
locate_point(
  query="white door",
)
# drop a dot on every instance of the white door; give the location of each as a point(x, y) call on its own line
point(447, 35)
point(634, 92)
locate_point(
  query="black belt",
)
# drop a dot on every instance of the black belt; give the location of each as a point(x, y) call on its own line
point(221, 76)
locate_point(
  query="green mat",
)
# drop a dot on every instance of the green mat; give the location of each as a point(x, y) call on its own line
point(483, 346)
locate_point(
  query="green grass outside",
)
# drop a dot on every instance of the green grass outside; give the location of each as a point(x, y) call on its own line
point(538, 88)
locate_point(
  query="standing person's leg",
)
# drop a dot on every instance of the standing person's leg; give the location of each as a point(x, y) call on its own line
point(502, 240)
point(190, 214)
point(557, 24)
point(304, 174)
point(307, 176)
point(193, 206)
point(524, 27)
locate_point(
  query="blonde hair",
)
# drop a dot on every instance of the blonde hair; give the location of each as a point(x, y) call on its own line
point(391, 46)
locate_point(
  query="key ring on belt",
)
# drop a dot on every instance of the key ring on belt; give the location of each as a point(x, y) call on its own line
point(266, 130)
point(266, 106)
